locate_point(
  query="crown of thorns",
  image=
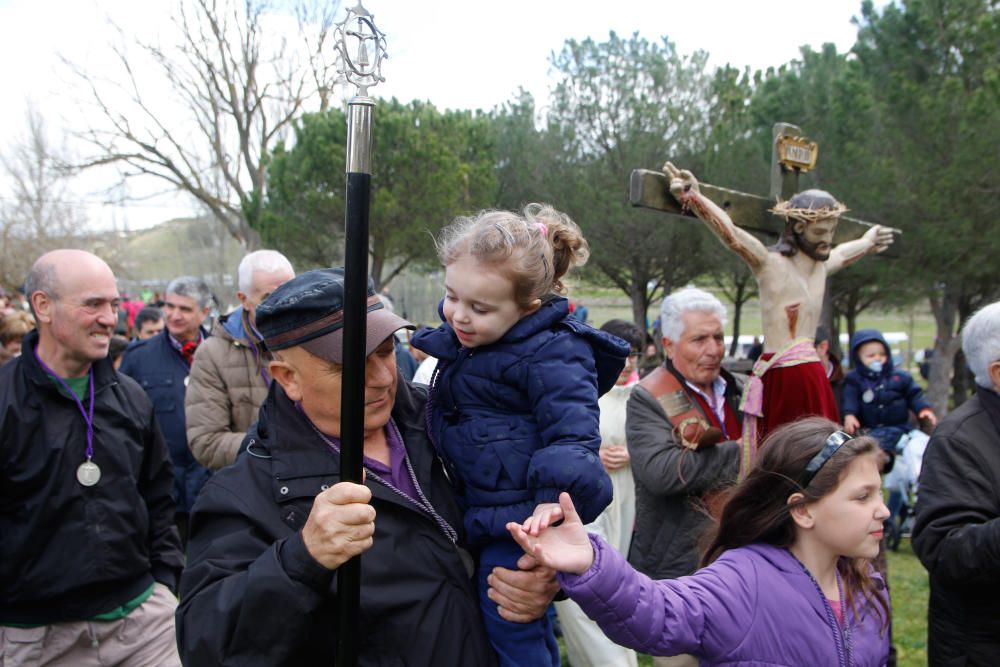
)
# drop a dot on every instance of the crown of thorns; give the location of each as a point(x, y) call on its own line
point(808, 215)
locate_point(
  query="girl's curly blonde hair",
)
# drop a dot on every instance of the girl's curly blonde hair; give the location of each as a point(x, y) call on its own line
point(533, 250)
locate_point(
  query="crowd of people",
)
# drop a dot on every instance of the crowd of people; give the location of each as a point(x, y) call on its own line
point(177, 499)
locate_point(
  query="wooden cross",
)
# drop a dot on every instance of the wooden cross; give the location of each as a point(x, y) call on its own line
point(651, 189)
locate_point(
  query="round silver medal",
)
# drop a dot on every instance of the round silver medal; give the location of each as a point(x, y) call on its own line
point(868, 396)
point(88, 473)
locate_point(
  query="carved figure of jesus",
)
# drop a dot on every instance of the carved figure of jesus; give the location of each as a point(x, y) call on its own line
point(788, 379)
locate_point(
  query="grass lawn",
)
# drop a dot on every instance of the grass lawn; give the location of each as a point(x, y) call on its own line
point(908, 582)
point(910, 590)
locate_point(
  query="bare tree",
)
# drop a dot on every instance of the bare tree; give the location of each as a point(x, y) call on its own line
point(37, 211)
point(235, 77)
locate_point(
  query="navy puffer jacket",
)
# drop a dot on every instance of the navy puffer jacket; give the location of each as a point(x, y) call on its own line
point(517, 421)
point(162, 372)
point(894, 393)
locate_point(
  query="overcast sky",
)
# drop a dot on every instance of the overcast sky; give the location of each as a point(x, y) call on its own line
point(456, 53)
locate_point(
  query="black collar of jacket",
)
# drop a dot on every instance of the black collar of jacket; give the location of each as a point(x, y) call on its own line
point(733, 391)
point(991, 403)
point(302, 464)
point(104, 371)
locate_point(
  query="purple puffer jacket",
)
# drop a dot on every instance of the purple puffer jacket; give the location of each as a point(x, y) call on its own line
point(755, 605)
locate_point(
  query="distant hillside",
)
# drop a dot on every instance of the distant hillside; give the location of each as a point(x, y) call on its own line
point(184, 246)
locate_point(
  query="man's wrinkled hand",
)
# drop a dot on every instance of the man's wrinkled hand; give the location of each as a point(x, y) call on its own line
point(340, 525)
point(523, 595)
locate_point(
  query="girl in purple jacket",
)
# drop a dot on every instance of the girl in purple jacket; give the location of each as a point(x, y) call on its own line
point(786, 579)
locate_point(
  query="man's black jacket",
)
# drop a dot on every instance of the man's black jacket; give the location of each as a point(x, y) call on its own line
point(252, 594)
point(957, 534)
point(69, 552)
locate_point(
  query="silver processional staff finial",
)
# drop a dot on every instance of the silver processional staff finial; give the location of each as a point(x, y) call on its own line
point(362, 65)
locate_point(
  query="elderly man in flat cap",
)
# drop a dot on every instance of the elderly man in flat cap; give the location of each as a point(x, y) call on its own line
point(270, 531)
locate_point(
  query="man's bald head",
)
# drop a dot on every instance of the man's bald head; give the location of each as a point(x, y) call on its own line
point(75, 300)
point(42, 278)
point(57, 268)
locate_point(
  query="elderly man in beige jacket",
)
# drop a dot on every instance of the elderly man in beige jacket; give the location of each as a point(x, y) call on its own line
point(229, 377)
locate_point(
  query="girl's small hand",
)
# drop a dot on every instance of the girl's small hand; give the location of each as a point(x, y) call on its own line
point(545, 515)
point(565, 547)
point(614, 457)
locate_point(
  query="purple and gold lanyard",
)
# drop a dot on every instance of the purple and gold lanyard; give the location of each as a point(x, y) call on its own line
point(88, 415)
point(256, 355)
point(259, 365)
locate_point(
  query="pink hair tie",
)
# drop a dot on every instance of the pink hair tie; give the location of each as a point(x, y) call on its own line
point(542, 228)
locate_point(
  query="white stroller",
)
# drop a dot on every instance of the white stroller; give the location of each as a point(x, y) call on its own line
point(901, 483)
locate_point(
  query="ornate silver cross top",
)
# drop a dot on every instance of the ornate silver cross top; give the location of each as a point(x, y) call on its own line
point(365, 69)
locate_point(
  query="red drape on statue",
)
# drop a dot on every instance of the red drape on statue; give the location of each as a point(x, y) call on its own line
point(796, 391)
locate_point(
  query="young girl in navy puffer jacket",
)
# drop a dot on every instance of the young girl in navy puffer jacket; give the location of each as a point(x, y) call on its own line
point(513, 407)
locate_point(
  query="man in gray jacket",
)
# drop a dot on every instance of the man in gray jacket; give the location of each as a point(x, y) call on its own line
point(681, 424)
point(229, 376)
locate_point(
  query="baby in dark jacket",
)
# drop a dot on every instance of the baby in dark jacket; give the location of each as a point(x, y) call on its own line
point(879, 397)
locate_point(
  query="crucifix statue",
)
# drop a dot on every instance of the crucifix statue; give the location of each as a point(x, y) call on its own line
point(788, 381)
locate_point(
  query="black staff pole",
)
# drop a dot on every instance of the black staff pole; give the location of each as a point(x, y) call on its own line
point(362, 71)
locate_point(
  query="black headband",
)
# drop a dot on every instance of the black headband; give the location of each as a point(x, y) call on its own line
point(830, 447)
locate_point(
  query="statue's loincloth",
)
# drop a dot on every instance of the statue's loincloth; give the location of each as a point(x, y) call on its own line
point(784, 386)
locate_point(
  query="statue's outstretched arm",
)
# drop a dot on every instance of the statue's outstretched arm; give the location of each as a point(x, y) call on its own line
point(876, 239)
point(684, 187)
